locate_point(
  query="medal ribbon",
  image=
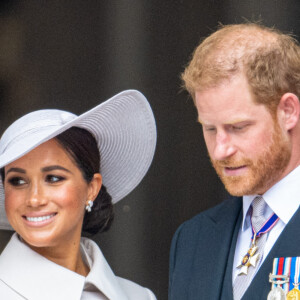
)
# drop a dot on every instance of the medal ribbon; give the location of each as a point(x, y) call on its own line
point(282, 266)
point(278, 264)
point(268, 225)
point(287, 272)
point(280, 278)
point(290, 267)
point(294, 277)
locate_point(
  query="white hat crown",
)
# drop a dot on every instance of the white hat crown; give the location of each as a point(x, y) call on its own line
point(35, 122)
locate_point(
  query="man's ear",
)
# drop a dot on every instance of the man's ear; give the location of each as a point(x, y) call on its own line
point(289, 110)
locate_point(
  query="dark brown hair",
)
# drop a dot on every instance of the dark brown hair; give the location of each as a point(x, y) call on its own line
point(82, 147)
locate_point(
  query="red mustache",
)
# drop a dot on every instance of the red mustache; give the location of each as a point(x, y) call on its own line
point(231, 163)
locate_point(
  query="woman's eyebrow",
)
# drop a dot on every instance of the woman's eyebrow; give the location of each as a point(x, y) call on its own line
point(55, 167)
point(18, 170)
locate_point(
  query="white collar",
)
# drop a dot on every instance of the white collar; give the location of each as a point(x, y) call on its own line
point(101, 275)
point(283, 198)
point(29, 273)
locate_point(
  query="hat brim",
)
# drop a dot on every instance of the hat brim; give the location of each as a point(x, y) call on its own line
point(125, 130)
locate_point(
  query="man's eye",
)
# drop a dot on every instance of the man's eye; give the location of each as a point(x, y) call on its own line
point(238, 127)
point(209, 129)
point(54, 178)
point(16, 181)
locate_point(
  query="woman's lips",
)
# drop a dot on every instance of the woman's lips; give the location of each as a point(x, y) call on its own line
point(39, 221)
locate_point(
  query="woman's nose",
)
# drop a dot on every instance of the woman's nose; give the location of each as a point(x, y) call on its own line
point(36, 196)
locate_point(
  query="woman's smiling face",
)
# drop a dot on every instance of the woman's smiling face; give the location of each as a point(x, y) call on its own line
point(45, 196)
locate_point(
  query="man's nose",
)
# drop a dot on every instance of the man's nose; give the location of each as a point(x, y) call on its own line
point(224, 147)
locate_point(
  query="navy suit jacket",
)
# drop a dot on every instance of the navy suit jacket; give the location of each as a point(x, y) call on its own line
point(202, 253)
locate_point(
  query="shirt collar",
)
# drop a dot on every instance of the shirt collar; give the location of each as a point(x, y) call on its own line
point(282, 198)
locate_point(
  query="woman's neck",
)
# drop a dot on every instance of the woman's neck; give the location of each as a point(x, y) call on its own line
point(67, 255)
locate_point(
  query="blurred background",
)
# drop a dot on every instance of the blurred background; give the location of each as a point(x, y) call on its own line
point(75, 54)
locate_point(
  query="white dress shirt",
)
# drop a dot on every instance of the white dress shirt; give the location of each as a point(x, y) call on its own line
point(24, 274)
point(283, 199)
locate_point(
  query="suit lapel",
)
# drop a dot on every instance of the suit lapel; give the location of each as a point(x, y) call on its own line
point(287, 245)
point(221, 232)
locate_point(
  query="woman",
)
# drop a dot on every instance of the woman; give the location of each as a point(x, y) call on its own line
point(60, 175)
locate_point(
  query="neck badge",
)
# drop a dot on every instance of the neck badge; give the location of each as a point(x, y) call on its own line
point(252, 257)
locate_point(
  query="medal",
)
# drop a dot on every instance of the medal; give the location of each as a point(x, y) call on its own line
point(251, 258)
point(277, 293)
point(285, 279)
point(294, 294)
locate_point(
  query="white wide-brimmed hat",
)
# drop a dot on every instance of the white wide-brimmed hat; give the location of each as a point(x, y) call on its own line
point(125, 130)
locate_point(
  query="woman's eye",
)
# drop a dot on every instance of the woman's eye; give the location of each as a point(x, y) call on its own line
point(16, 181)
point(54, 178)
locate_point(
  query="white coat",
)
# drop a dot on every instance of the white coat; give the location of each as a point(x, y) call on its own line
point(24, 274)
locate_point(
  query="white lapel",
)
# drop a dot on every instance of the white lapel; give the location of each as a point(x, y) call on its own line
point(29, 273)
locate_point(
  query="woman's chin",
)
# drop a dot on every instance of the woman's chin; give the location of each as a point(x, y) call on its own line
point(38, 239)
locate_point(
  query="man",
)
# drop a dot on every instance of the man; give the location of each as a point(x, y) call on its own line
point(245, 82)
